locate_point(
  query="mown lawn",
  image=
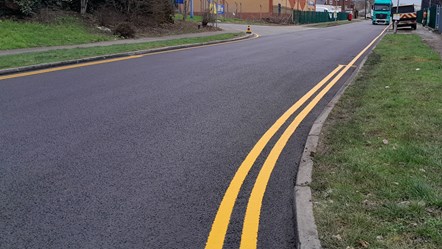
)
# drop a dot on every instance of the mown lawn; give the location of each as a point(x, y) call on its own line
point(377, 180)
point(66, 31)
point(10, 61)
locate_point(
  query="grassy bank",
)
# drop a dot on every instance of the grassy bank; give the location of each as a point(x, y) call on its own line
point(27, 59)
point(377, 178)
point(66, 31)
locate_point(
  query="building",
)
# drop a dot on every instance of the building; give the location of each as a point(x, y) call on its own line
point(255, 9)
point(344, 4)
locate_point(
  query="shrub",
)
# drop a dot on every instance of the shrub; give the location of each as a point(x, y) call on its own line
point(207, 18)
point(125, 30)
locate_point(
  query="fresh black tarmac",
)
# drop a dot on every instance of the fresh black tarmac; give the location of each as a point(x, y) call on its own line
point(138, 153)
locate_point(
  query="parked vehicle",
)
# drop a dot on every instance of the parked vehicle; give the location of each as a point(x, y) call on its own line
point(407, 15)
point(381, 12)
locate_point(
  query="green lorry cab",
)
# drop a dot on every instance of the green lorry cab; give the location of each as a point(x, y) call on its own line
point(381, 12)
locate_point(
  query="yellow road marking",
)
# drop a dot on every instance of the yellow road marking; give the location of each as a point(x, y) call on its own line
point(251, 221)
point(66, 67)
point(17, 75)
point(222, 219)
point(249, 237)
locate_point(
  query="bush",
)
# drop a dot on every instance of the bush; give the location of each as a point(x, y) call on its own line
point(138, 12)
point(207, 18)
point(109, 17)
point(125, 30)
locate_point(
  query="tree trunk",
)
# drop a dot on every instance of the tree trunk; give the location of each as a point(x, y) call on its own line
point(83, 6)
point(185, 10)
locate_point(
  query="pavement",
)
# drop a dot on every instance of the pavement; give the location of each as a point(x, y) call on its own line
point(115, 42)
point(434, 39)
point(226, 28)
point(138, 153)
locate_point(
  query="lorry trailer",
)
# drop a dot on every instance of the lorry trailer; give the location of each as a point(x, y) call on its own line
point(407, 15)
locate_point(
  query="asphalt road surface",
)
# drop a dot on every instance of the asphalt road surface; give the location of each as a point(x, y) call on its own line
point(139, 153)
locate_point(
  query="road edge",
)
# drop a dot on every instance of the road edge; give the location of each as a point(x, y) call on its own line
point(306, 229)
point(117, 55)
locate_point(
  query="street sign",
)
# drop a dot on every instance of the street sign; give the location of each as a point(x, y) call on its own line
point(220, 9)
point(396, 17)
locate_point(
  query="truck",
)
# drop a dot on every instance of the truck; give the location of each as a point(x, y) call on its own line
point(406, 15)
point(381, 12)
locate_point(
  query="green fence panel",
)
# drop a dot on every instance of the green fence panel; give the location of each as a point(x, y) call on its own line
point(305, 17)
point(419, 16)
point(432, 22)
point(342, 16)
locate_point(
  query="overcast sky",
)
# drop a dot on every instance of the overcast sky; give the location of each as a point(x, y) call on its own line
point(401, 2)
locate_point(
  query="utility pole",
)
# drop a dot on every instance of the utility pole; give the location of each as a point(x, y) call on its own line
point(396, 21)
point(365, 9)
point(191, 9)
point(336, 10)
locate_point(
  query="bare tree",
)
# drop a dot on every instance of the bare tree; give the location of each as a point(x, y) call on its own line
point(186, 7)
point(83, 6)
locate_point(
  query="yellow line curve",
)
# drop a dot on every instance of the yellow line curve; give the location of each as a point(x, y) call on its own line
point(249, 237)
point(222, 218)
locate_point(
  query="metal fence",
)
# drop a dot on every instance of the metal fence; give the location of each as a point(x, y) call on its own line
point(304, 17)
point(439, 19)
point(432, 15)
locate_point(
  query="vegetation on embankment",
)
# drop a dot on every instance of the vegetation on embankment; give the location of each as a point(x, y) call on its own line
point(377, 180)
point(66, 30)
point(11, 61)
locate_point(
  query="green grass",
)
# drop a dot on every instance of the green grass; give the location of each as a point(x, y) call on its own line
point(66, 31)
point(331, 24)
point(241, 21)
point(27, 59)
point(378, 170)
point(194, 19)
point(221, 18)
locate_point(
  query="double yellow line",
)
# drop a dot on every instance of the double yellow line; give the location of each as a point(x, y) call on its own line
point(249, 237)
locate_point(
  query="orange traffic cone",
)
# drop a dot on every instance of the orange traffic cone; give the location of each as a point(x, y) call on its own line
point(249, 30)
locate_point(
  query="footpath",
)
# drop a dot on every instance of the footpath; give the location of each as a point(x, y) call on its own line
point(433, 39)
point(115, 42)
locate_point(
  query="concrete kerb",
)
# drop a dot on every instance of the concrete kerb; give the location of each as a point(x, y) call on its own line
point(118, 55)
point(308, 237)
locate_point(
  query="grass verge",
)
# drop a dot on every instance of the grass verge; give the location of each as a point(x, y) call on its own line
point(179, 17)
point(331, 24)
point(222, 19)
point(377, 180)
point(11, 61)
point(66, 31)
